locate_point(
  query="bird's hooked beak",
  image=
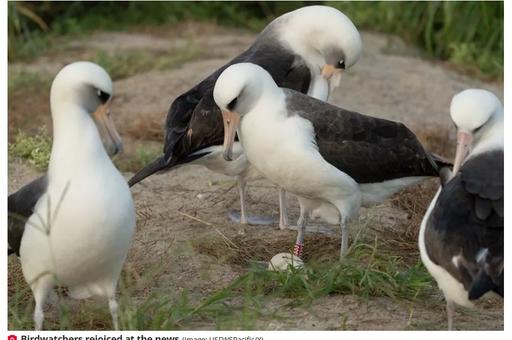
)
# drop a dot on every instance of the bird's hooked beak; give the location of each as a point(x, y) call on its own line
point(111, 138)
point(231, 123)
point(464, 140)
point(329, 70)
point(332, 75)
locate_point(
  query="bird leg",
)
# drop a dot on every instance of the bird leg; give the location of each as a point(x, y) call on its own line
point(283, 212)
point(450, 312)
point(38, 317)
point(41, 288)
point(301, 229)
point(242, 217)
point(113, 306)
point(243, 211)
point(344, 237)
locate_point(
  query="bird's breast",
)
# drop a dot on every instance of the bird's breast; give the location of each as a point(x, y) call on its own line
point(283, 150)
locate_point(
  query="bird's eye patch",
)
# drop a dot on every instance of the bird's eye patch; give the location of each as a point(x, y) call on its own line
point(232, 104)
point(341, 64)
point(103, 95)
point(478, 128)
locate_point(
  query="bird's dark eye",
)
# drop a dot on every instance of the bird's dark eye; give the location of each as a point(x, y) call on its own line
point(104, 96)
point(341, 64)
point(232, 104)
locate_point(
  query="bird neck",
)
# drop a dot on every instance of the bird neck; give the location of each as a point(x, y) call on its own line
point(268, 113)
point(76, 142)
point(268, 104)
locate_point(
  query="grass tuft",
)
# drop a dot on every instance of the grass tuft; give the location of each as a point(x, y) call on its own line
point(26, 80)
point(36, 149)
point(142, 156)
point(369, 270)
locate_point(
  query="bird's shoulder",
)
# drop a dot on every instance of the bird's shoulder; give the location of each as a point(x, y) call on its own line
point(482, 177)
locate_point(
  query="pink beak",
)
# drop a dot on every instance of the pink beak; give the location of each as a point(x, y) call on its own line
point(464, 140)
point(231, 123)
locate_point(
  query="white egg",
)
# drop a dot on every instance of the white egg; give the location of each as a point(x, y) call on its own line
point(282, 261)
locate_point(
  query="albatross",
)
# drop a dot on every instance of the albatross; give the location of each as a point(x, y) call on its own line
point(332, 159)
point(306, 50)
point(461, 235)
point(73, 227)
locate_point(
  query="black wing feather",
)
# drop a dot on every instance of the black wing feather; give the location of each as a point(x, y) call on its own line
point(366, 148)
point(20, 206)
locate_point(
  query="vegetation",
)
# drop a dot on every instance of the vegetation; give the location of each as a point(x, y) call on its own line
point(36, 149)
point(128, 63)
point(469, 34)
point(368, 271)
point(135, 161)
point(28, 81)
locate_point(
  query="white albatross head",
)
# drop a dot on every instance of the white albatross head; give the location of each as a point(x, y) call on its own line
point(87, 86)
point(237, 90)
point(478, 116)
point(324, 37)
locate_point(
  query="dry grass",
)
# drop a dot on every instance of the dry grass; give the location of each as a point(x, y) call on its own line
point(146, 129)
point(437, 139)
point(28, 109)
point(247, 249)
point(414, 201)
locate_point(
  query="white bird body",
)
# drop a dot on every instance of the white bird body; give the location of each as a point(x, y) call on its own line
point(85, 207)
point(324, 155)
point(82, 225)
point(281, 148)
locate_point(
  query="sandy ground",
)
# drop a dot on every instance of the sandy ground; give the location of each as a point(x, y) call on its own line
point(390, 81)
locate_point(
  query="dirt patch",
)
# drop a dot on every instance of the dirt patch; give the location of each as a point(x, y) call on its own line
point(184, 241)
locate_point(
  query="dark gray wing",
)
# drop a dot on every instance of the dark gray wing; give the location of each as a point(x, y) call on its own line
point(467, 221)
point(279, 62)
point(20, 206)
point(366, 148)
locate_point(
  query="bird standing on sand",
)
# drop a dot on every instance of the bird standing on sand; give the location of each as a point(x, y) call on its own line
point(81, 216)
point(304, 50)
point(333, 160)
point(461, 235)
